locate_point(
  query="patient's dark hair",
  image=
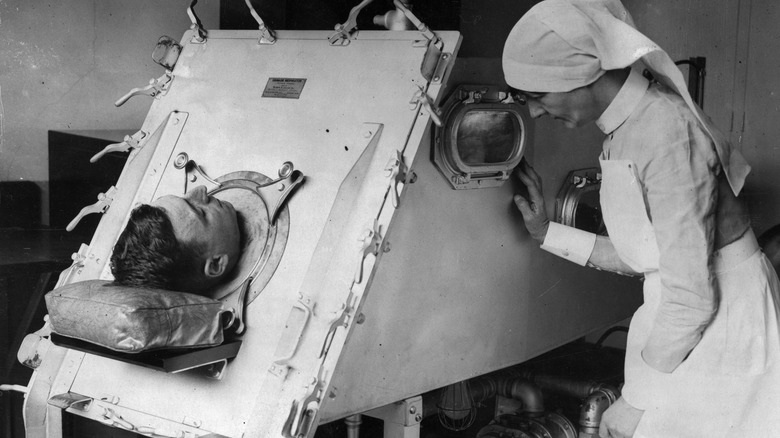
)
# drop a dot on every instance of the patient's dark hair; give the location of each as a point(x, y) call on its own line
point(147, 253)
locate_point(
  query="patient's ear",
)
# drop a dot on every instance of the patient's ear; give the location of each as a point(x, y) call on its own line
point(216, 265)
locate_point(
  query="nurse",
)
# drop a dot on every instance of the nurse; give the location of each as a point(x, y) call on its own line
point(702, 351)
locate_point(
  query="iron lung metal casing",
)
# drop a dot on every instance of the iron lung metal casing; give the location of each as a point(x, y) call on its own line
point(391, 283)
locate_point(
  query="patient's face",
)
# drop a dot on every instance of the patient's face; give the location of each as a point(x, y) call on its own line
point(204, 221)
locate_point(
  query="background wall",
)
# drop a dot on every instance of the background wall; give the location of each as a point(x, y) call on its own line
point(64, 63)
point(741, 41)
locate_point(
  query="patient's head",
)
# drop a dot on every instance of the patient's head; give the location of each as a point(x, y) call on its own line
point(187, 243)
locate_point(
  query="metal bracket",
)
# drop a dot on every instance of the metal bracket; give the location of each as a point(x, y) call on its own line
point(276, 192)
point(101, 206)
point(130, 142)
point(236, 303)
point(193, 173)
point(156, 88)
point(372, 239)
point(71, 400)
point(267, 35)
point(435, 63)
point(200, 33)
point(215, 370)
point(396, 170)
point(342, 35)
point(421, 98)
point(402, 419)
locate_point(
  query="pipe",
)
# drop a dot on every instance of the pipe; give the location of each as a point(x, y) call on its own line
point(514, 388)
point(597, 397)
point(593, 408)
point(561, 385)
point(395, 19)
point(353, 423)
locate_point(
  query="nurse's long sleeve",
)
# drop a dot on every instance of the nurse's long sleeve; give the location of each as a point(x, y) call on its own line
point(679, 176)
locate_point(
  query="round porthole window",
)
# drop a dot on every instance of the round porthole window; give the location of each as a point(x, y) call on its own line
point(577, 204)
point(482, 137)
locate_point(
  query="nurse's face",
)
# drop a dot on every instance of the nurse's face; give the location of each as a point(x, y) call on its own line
point(574, 108)
point(204, 221)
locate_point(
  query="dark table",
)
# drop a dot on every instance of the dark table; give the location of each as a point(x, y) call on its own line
point(30, 264)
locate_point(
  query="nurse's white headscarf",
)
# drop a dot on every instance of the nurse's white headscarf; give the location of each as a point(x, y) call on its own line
point(560, 45)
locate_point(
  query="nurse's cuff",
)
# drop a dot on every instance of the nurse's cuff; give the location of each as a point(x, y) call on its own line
point(569, 243)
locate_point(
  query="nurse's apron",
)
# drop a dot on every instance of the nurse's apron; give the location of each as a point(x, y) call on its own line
point(729, 385)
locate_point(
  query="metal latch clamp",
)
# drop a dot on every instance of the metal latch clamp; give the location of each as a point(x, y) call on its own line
point(156, 88)
point(342, 35)
point(130, 142)
point(101, 206)
point(266, 33)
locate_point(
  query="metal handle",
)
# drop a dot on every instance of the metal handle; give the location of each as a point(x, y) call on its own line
point(102, 204)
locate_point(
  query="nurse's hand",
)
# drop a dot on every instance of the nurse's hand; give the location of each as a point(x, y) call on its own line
point(620, 420)
point(532, 208)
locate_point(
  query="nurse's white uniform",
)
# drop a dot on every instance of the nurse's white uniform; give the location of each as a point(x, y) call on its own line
point(729, 385)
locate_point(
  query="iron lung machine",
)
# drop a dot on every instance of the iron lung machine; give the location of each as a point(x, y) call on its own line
point(387, 265)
